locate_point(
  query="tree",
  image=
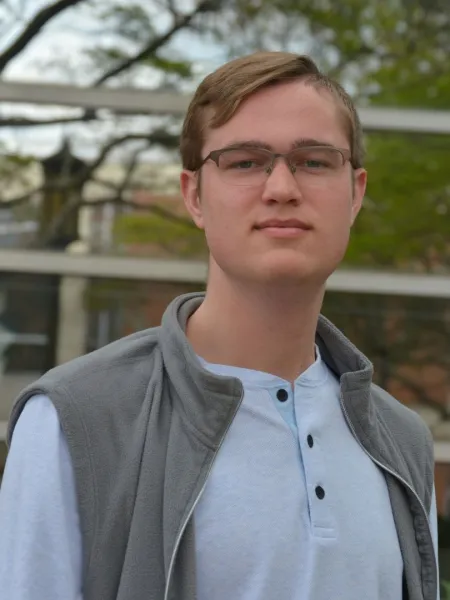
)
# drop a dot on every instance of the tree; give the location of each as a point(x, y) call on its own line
point(358, 41)
point(392, 53)
point(135, 47)
point(361, 43)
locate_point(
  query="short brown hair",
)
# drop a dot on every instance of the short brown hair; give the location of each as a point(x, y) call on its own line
point(225, 89)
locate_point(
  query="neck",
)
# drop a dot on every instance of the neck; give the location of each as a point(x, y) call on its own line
point(267, 328)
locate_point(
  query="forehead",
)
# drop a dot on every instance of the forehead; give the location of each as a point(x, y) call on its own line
point(280, 114)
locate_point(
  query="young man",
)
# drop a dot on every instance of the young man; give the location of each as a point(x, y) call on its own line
point(240, 450)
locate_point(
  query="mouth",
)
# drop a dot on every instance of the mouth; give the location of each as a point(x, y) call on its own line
point(283, 228)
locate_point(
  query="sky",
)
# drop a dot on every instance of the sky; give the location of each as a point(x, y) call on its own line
point(68, 35)
point(57, 56)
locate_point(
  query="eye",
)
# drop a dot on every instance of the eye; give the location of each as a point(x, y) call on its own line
point(243, 160)
point(315, 164)
point(317, 159)
point(243, 164)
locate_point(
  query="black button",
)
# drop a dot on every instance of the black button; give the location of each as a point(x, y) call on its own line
point(320, 492)
point(310, 441)
point(282, 395)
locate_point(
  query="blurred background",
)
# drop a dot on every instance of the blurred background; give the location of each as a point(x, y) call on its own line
point(94, 240)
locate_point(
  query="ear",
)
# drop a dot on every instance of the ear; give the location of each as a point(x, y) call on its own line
point(190, 188)
point(359, 189)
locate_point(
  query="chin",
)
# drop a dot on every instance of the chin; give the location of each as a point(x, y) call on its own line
point(287, 269)
point(291, 273)
point(293, 267)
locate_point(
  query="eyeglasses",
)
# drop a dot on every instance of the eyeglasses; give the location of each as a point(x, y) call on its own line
point(244, 165)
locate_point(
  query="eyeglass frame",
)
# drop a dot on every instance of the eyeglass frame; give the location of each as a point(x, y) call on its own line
point(214, 155)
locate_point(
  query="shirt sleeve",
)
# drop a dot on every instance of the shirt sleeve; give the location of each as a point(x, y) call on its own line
point(40, 541)
point(434, 532)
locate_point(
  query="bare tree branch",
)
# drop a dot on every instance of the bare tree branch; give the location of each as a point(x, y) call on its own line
point(168, 5)
point(157, 137)
point(180, 23)
point(172, 8)
point(66, 183)
point(109, 185)
point(33, 28)
point(118, 199)
point(126, 181)
point(75, 204)
point(131, 167)
point(23, 122)
point(153, 208)
point(8, 204)
point(45, 15)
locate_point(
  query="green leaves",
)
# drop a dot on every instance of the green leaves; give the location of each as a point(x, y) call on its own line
point(155, 235)
point(407, 221)
point(175, 67)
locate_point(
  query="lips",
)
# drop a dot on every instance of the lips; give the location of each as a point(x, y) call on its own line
point(283, 224)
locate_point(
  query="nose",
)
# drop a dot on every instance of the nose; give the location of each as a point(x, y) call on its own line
point(281, 185)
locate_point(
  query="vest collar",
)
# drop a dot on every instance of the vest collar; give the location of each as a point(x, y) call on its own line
point(209, 401)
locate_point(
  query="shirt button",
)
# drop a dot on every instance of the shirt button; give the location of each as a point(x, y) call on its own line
point(320, 492)
point(310, 441)
point(282, 395)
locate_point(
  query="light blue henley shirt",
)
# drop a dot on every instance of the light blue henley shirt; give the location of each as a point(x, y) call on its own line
point(293, 508)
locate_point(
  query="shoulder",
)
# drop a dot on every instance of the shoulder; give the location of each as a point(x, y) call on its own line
point(103, 371)
point(38, 449)
point(117, 356)
point(37, 431)
point(39, 456)
point(98, 382)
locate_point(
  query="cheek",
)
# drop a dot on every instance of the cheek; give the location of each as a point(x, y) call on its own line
point(334, 216)
point(227, 218)
point(225, 208)
point(216, 217)
point(336, 204)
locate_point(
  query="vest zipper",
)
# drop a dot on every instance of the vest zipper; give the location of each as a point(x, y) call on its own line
point(189, 515)
point(394, 474)
point(347, 418)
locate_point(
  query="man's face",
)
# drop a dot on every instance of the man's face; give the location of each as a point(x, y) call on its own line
point(325, 204)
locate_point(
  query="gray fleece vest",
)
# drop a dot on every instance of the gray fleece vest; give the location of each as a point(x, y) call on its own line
point(144, 423)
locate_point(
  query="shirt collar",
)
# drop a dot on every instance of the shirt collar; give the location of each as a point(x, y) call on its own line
point(313, 376)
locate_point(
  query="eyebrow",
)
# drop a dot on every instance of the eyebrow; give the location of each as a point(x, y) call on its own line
point(249, 144)
point(300, 143)
point(310, 142)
